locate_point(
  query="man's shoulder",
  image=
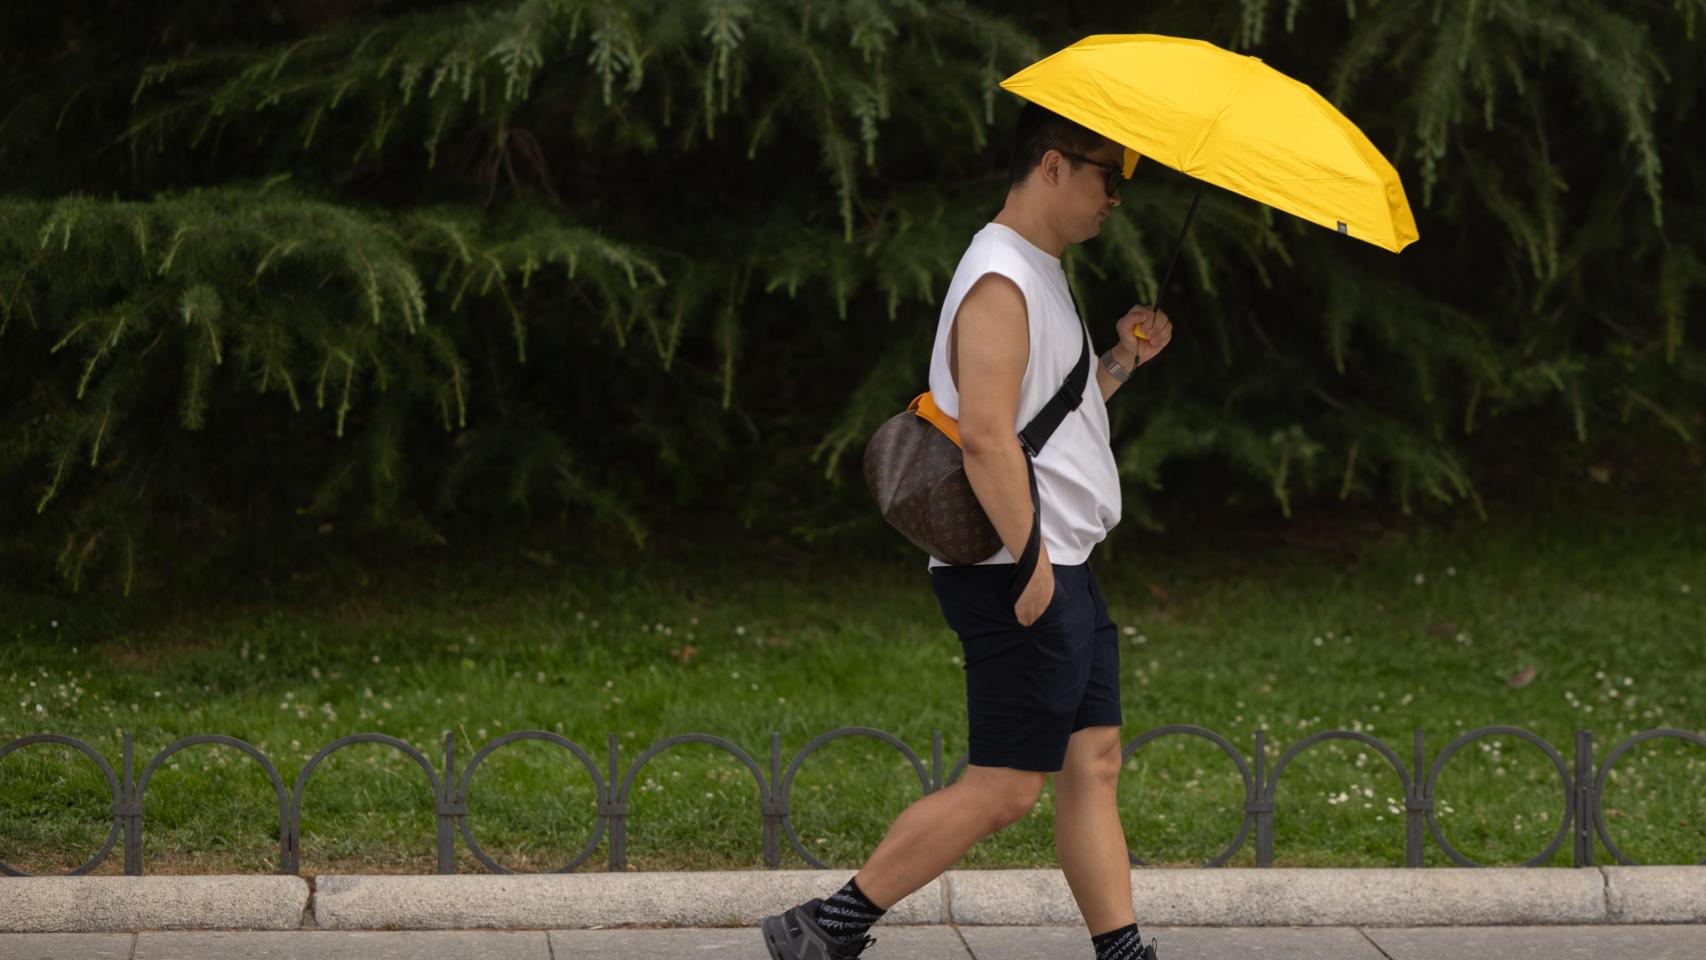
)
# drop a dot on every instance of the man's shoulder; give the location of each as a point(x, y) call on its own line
point(995, 292)
point(989, 253)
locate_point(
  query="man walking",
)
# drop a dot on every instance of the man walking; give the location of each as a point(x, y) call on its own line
point(1042, 673)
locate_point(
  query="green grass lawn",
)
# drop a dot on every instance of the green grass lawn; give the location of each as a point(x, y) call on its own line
point(1292, 626)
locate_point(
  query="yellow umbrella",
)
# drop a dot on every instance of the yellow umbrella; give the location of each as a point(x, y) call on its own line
point(1226, 119)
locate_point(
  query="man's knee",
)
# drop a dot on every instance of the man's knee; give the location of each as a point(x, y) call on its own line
point(1013, 795)
point(1095, 761)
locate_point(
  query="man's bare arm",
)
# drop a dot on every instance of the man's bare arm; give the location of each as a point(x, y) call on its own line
point(992, 345)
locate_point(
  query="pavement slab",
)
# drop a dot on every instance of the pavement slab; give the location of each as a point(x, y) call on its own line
point(1622, 941)
point(345, 945)
point(65, 946)
point(1177, 943)
point(743, 943)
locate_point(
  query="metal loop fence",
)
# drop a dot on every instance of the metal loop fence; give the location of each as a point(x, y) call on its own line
point(1582, 784)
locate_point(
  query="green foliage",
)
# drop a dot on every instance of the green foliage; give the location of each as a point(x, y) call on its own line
point(387, 262)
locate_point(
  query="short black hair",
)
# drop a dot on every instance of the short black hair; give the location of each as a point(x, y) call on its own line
point(1040, 130)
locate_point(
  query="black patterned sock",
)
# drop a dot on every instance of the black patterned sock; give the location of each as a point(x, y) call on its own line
point(1122, 944)
point(848, 914)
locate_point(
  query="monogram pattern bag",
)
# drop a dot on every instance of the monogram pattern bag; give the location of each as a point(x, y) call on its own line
point(916, 471)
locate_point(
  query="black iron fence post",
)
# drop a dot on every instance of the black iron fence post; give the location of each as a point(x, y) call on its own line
point(1416, 807)
point(128, 810)
point(775, 806)
point(1261, 806)
point(1584, 799)
point(614, 809)
point(451, 807)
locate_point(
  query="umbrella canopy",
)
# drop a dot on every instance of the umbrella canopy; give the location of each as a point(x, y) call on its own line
point(1226, 119)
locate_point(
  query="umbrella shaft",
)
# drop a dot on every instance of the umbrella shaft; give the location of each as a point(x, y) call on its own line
point(1177, 246)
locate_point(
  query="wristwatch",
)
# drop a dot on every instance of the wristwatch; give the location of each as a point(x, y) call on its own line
point(1114, 368)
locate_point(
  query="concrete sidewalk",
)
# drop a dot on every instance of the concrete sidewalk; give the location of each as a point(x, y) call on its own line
point(1624, 942)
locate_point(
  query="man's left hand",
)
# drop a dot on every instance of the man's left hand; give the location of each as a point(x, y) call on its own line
point(1144, 333)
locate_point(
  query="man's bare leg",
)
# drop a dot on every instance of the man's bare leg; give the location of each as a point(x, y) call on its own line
point(1088, 837)
point(929, 836)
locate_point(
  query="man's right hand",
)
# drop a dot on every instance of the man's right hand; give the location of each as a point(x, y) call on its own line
point(1035, 599)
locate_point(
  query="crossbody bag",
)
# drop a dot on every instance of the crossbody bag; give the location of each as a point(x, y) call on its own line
point(916, 470)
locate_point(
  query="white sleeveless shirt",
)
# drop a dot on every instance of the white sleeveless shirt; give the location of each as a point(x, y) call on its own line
point(1077, 480)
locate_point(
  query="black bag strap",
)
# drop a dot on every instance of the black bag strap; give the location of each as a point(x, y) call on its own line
point(1031, 440)
point(1064, 401)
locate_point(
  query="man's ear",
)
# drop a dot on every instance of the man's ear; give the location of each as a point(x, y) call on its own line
point(1049, 165)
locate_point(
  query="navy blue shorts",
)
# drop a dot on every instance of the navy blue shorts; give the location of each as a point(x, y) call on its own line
point(1028, 689)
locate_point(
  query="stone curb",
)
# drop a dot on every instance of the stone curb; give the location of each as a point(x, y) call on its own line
point(1162, 897)
point(1300, 897)
point(578, 900)
point(114, 904)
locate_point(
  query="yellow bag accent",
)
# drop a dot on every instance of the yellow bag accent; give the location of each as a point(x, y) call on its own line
point(925, 406)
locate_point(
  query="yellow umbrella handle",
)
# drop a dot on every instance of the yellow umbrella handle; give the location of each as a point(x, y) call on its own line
point(1177, 246)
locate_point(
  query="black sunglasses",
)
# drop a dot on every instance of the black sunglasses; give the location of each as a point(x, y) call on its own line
point(1115, 176)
